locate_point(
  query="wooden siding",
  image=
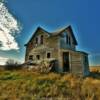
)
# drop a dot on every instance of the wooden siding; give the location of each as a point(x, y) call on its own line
point(85, 65)
point(50, 44)
point(56, 46)
point(76, 62)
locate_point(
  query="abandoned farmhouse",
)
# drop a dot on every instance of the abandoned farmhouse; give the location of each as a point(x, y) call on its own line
point(59, 45)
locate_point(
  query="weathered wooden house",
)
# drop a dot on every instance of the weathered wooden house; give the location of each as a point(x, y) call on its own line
point(59, 45)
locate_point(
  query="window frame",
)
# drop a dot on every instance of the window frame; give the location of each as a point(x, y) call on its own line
point(69, 40)
point(36, 40)
point(49, 55)
point(30, 57)
point(42, 39)
point(38, 57)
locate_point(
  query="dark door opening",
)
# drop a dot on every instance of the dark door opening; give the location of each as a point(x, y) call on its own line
point(66, 62)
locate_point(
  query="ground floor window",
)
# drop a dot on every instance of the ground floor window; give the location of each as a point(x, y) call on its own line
point(31, 57)
point(49, 55)
point(38, 57)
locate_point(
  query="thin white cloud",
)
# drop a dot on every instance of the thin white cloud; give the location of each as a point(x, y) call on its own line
point(8, 29)
point(3, 60)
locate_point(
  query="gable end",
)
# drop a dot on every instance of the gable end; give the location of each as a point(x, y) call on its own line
point(38, 29)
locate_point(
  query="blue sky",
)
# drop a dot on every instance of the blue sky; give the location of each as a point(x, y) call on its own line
point(83, 15)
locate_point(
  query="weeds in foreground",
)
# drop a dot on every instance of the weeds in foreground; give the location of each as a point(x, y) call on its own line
point(28, 85)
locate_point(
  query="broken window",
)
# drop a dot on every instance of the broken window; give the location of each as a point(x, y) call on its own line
point(38, 57)
point(36, 41)
point(31, 57)
point(48, 55)
point(68, 40)
point(41, 40)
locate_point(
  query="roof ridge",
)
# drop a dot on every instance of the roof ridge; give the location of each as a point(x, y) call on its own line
point(60, 29)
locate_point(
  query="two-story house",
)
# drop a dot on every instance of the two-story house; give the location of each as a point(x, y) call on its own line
point(59, 45)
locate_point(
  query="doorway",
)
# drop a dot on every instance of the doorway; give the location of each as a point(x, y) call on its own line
point(66, 67)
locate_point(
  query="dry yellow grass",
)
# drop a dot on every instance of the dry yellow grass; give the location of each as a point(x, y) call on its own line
point(95, 68)
point(28, 85)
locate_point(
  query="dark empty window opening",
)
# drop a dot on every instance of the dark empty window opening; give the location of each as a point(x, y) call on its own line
point(36, 40)
point(38, 57)
point(31, 57)
point(48, 55)
point(67, 39)
point(41, 40)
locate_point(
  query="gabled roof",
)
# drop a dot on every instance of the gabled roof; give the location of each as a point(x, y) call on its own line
point(58, 32)
point(38, 29)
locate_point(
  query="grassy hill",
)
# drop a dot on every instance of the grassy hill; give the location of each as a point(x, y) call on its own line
point(28, 85)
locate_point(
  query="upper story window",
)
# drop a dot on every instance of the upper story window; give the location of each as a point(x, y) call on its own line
point(68, 40)
point(41, 39)
point(36, 40)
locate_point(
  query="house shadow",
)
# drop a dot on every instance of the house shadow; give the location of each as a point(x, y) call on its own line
point(95, 75)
